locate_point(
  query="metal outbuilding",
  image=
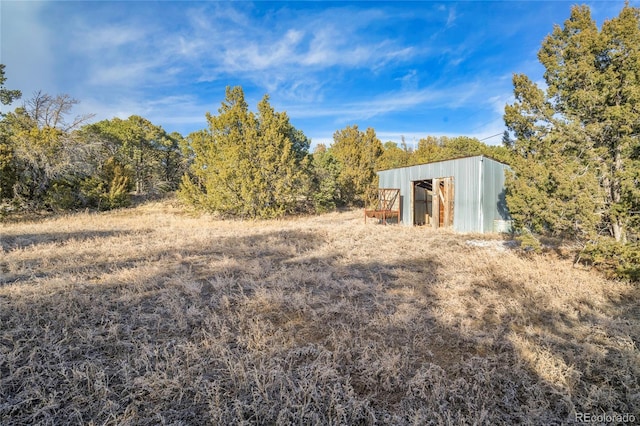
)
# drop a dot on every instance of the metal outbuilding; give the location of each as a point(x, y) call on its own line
point(467, 194)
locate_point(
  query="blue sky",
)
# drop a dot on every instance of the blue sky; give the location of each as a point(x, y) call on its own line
point(408, 69)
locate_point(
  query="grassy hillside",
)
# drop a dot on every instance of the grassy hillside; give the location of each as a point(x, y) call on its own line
point(151, 316)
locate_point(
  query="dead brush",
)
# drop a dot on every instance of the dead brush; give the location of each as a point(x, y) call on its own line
point(149, 316)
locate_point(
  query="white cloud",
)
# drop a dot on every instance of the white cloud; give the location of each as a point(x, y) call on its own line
point(338, 64)
point(410, 80)
point(124, 74)
point(451, 18)
point(174, 113)
point(394, 101)
point(107, 38)
point(283, 54)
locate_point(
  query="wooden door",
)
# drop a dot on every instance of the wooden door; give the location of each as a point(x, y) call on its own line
point(443, 202)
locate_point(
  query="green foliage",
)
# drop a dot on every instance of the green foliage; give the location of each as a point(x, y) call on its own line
point(6, 95)
point(8, 171)
point(460, 146)
point(427, 151)
point(581, 133)
point(614, 258)
point(49, 162)
point(154, 156)
point(247, 165)
point(119, 185)
point(61, 195)
point(40, 160)
point(107, 189)
point(41, 152)
point(357, 153)
point(576, 146)
point(110, 188)
point(8, 167)
point(393, 156)
point(172, 161)
point(325, 189)
point(529, 242)
point(555, 197)
point(433, 148)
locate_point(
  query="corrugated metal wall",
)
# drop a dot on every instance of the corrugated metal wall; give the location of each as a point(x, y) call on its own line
point(478, 188)
point(494, 203)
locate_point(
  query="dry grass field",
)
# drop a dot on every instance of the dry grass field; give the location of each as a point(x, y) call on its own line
point(153, 316)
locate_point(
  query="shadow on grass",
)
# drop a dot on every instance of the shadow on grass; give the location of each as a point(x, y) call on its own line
point(79, 264)
point(582, 355)
point(260, 249)
point(274, 328)
point(22, 241)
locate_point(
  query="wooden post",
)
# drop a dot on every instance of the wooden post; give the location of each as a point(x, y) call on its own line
point(446, 199)
point(451, 200)
point(413, 204)
point(435, 204)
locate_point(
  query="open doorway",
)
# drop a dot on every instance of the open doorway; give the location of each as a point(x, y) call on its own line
point(432, 202)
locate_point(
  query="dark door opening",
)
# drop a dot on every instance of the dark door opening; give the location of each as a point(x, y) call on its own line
point(422, 200)
point(432, 201)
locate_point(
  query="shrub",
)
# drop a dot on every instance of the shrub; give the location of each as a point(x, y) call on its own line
point(614, 258)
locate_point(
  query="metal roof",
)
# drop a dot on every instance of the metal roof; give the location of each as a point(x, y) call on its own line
point(448, 159)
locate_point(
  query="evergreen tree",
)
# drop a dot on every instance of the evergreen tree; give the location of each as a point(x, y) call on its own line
point(153, 155)
point(8, 171)
point(172, 162)
point(357, 153)
point(462, 146)
point(245, 164)
point(325, 189)
point(109, 187)
point(393, 156)
point(280, 168)
point(7, 96)
point(442, 148)
point(428, 150)
point(581, 133)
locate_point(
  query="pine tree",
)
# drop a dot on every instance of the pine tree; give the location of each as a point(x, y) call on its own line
point(325, 188)
point(281, 163)
point(393, 156)
point(7, 95)
point(153, 155)
point(581, 133)
point(245, 164)
point(8, 169)
point(357, 153)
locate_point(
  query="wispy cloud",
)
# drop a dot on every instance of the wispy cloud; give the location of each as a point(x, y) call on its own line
point(283, 53)
point(410, 80)
point(107, 38)
point(451, 18)
point(445, 68)
point(408, 99)
point(170, 111)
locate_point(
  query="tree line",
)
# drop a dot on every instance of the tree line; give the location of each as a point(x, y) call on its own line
point(258, 165)
point(573, 146)
point(245, 164)
point(51, 161)
point(575, 143)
